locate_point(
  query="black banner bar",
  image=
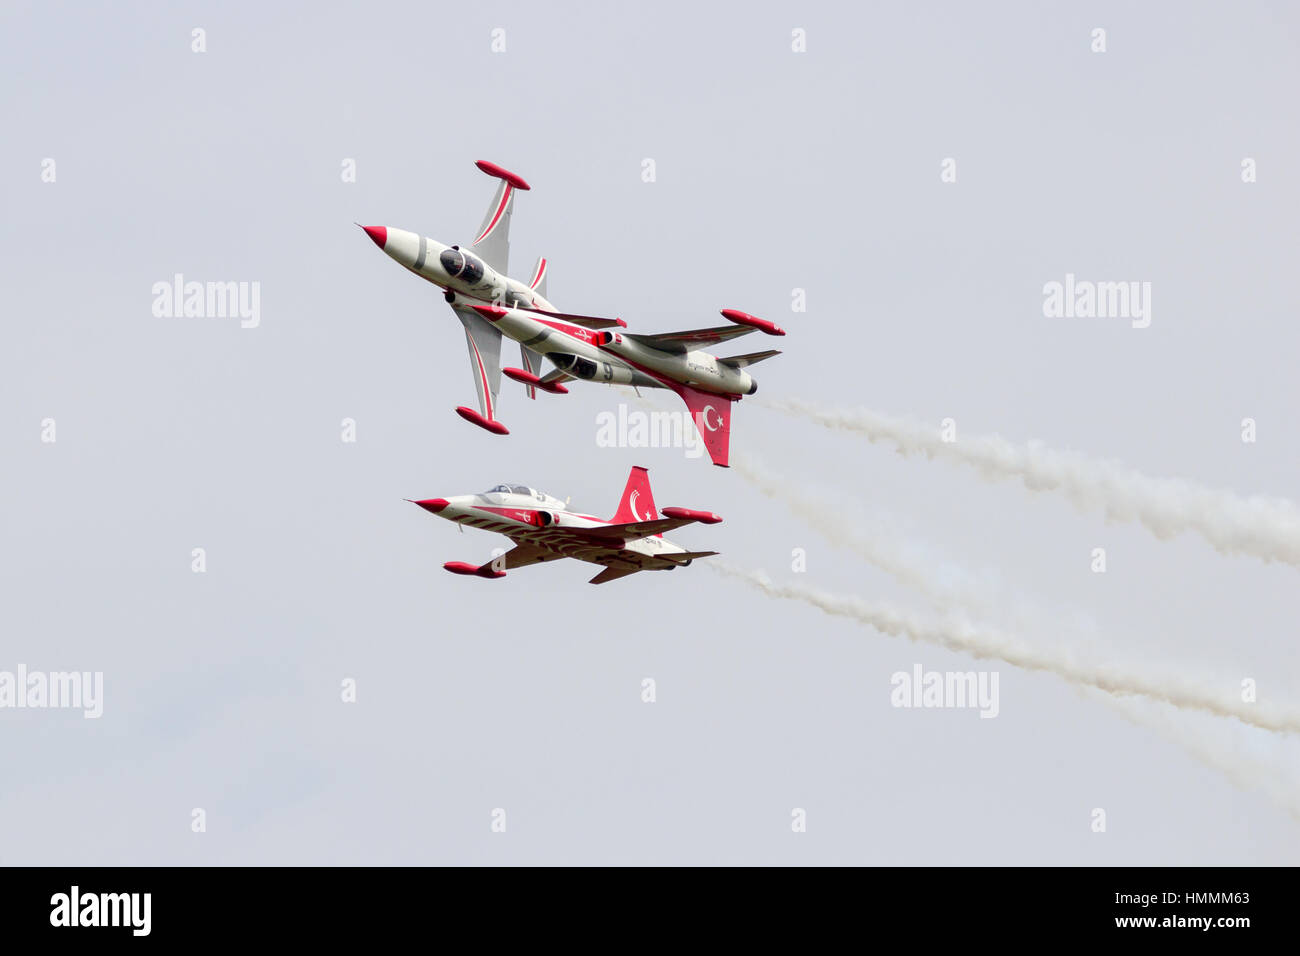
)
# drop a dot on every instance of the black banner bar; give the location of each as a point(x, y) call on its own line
point(375, 904)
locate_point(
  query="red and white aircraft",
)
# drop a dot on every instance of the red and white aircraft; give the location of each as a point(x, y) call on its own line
point(490, 304)
point(543, 530)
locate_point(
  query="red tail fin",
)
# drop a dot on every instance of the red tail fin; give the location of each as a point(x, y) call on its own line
point(638, 504)
point(712, 416)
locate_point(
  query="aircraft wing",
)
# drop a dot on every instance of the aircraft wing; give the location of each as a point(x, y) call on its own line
point(612, 574)
point(586, 321)
point(520, 556)
point(493, 242)
point(484, 342)
point(631, 530)
point(523, 555)
point(678, 342)
point(673, 518)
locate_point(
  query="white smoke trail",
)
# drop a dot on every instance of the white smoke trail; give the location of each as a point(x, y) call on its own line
point(1217, 748)
point(874, 541)
point(959, 634)
point(1268, 528)
point(951, 586)
point(912, 562)
point(1214, 752)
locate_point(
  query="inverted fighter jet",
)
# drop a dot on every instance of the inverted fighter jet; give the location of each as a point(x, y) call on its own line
point(543, 529)
point(490, 304)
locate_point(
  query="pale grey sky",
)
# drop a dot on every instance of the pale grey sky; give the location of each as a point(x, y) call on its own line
point(776, 170)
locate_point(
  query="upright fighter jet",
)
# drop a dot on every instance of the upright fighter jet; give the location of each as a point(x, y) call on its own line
point(543, 529)
point(489, 303)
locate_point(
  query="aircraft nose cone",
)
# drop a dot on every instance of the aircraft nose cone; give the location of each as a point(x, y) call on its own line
point(377, 233)
point(433, 505)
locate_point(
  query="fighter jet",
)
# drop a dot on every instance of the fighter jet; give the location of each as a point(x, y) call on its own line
point(543, 529)
point(489, 304)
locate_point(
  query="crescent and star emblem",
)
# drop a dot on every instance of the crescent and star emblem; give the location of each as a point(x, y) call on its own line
point(705, 415)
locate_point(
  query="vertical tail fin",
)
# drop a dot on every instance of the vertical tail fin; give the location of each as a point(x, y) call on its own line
point(638, 503)
point(712, 416)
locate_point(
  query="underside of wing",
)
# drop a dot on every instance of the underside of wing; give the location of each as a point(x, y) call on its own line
point(484, 343)
point(685, 557)
point(492, 242)
point(586, 321)
point(693, 339)
point(612, 574)
point(523, 555)
point(751, 358)
point(631, 530)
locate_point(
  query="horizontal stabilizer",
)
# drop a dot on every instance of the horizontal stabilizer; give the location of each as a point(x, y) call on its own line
point(684, 556)
point(554, 377)
point(752, 358)
point(612, 574)
point(678, 342)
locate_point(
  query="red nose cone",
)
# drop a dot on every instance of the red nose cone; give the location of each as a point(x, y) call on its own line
point(433, 505)
point(378, 233)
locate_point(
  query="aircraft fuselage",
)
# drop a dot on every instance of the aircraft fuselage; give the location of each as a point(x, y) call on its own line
point(458, 271)
point(525, 520)
point(587, 354)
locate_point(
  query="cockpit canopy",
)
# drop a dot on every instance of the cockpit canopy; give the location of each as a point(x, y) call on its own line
point(522, 490)
point(509, 490)
point(461, 265)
